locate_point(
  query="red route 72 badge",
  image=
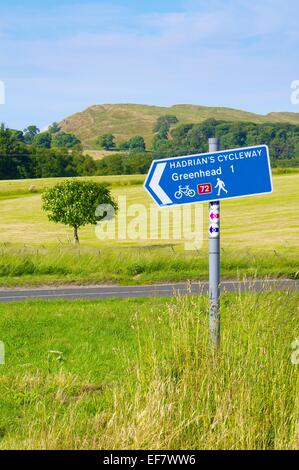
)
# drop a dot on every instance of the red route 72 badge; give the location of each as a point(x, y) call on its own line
point(204, 188)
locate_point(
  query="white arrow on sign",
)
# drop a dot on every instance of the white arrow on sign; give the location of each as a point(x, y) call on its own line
point(154, 184)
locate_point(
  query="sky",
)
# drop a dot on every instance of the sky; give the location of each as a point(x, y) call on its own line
point(59, 57)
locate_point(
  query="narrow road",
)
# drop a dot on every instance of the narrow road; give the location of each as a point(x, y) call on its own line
point(154, 290)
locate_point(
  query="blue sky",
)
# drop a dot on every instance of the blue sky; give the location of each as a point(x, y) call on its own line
point(59, 57)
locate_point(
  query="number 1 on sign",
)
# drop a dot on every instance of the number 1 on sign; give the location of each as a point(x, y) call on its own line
point(232, 167)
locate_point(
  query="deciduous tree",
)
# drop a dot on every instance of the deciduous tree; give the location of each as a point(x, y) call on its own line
point(74, 203)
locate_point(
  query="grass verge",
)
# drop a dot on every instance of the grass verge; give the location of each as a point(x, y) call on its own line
point(38, 266)
point(136, 374)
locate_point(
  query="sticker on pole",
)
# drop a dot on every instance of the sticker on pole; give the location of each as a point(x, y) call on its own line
point(225, 174)
point(214, 230)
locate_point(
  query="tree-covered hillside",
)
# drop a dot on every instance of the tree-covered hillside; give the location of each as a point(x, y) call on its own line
point(54, 153)
point(282, 139)
point(127, 120)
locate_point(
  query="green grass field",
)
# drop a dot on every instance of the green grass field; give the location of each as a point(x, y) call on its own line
point(129, 374)
point(136, 374)
point(259, 237)
point(269, 220)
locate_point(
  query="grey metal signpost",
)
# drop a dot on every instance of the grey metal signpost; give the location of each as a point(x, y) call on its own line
point(206, 177)
point(214, 262)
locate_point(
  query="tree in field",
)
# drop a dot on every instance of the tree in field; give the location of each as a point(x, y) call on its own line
point(74, 203)
point(136, 143)
point(107, 141)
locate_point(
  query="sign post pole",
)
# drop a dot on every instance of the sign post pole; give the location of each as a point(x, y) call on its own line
point(211, 177)
point(214, 263)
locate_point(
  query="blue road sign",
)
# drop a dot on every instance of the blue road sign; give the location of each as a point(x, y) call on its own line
point(211, 176)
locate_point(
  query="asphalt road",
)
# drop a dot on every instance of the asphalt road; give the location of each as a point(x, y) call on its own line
point(155, 290)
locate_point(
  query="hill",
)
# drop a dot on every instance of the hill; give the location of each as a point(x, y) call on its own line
point(126, 120)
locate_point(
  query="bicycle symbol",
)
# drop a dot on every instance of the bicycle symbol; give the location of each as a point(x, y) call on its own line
point(184, 190)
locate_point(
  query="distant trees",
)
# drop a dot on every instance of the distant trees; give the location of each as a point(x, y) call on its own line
point(49, 163)
point(161, 133)
point(55, 138)
point(18, 135)
point(20, 160)
point(64, 140)
point(123, 145)
point(74, 203)
point(136, 163)
point(124, 164)
point(52, 138)
point(60, 162)
point(111, 164)
point(136, 143)
point(29, 133)
point(34, 154)
point(14, 156)
point(281, 138)
point(106, 141)
point(162, 125)
point(54, 128)
point(42, 140)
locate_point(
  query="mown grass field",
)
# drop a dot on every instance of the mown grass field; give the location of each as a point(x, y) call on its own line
point(134, 374)
point(259, 237)
point(269, 220)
